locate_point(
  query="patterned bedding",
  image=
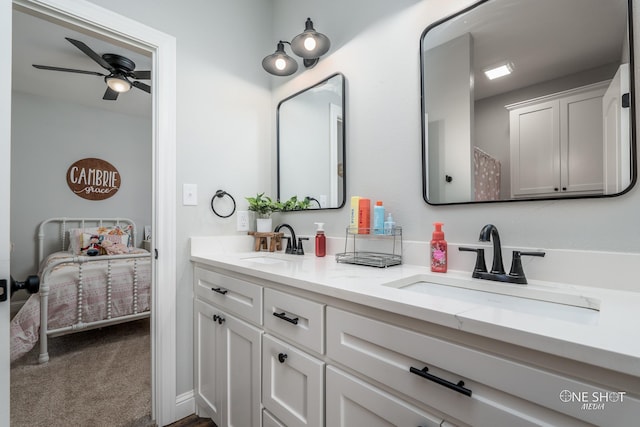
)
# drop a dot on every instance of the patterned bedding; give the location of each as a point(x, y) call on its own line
point(62, 303)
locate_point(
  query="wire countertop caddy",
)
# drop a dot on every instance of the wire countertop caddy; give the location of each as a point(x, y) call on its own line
point(372, 248)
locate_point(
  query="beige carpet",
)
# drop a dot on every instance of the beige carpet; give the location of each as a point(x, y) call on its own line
point(98, 378)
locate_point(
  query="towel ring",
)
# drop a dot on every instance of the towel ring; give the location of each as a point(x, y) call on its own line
point(221, 194)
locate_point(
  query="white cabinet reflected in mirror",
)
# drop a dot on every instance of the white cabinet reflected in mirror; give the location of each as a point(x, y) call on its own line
point(311, 144)
point(560, 122)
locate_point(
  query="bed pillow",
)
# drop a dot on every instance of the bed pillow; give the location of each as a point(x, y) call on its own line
point(108, 247)
point(79, 238)
point(75, 240)
point(104, 244)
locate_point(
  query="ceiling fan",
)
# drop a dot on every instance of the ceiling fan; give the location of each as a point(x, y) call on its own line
point(121, 71)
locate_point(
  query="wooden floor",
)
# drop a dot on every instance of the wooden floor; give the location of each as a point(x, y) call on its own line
point(194, 421)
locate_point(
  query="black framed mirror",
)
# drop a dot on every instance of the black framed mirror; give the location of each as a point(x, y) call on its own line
point(559, 124)
point(311, 144)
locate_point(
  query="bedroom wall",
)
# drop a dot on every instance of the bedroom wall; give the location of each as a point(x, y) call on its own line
point(47, 137)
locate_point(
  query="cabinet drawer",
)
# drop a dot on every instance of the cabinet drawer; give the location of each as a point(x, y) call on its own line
point(292, 384)
point(504, 392)
point(236, 296)
point(353, 402)
point(297, 319)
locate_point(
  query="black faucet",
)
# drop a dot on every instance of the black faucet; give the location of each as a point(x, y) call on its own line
point(490, 232)
point(516, 275)
point(300, 249)
point(292, 247)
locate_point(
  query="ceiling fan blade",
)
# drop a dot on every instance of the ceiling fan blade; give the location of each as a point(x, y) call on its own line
point(91, 54)
point(110, 94)
point(142, 86)
point(142, 75)
point(68, 70)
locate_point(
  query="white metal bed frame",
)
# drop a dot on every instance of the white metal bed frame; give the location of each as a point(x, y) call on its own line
point(79, 324)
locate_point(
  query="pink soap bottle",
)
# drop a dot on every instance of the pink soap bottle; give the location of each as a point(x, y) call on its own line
point(438, 250)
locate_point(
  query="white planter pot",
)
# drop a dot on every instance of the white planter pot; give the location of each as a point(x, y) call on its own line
point(264, 225)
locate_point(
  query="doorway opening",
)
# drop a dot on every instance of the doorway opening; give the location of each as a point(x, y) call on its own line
point(103, 24)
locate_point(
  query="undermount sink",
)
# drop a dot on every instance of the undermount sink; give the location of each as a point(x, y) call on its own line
point(550, 303)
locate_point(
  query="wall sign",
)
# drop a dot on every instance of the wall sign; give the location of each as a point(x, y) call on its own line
point(93, 179)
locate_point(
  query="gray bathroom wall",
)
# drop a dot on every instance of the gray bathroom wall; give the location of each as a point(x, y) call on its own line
point(47, 137)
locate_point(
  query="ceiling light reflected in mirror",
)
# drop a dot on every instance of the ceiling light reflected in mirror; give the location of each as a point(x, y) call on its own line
point(499, 71)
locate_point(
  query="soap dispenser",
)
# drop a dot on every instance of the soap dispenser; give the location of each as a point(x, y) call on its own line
point(438, 250)
point(321, 240)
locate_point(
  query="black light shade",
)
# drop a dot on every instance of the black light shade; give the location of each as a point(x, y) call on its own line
point(310, 44)
point(279, 63)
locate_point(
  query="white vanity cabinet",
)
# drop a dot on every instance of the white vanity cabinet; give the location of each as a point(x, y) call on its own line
point(557, 144)
point(236, 295)
point(227, 353)
point(292, 378)
point(269, 420)
point(311, 360)
point(353, 402)
point(470, 385)
point(292, 384)
point(298, 320)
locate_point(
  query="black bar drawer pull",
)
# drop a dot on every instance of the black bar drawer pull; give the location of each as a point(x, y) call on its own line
point(456, 387)
point(220, 290)
point(283, 316)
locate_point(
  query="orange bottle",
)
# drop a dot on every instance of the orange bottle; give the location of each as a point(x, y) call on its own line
point(364, 215)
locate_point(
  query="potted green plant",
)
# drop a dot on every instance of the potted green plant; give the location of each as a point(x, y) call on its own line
point(263, 206)
point(293, 204)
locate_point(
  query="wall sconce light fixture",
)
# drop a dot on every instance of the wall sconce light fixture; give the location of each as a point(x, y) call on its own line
point(310, 45)
point(279, 63)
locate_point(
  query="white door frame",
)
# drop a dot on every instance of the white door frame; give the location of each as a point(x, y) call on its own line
point(162, 47)
point(5, 202)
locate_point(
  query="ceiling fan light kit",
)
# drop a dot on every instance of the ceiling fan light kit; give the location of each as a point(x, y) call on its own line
point(121, 70)
point(118, 83)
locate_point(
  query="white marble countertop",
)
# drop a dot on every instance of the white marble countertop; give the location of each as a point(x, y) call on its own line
point(608, 338)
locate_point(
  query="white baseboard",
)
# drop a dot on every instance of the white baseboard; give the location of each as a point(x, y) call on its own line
point(185, 405)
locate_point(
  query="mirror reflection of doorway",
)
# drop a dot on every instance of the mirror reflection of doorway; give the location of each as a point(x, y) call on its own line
point(617, 148)
point(336, 174)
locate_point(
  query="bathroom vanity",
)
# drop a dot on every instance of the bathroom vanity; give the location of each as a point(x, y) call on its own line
point(287, 340)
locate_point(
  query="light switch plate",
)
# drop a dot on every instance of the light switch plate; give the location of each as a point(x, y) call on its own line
point(189, 194)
